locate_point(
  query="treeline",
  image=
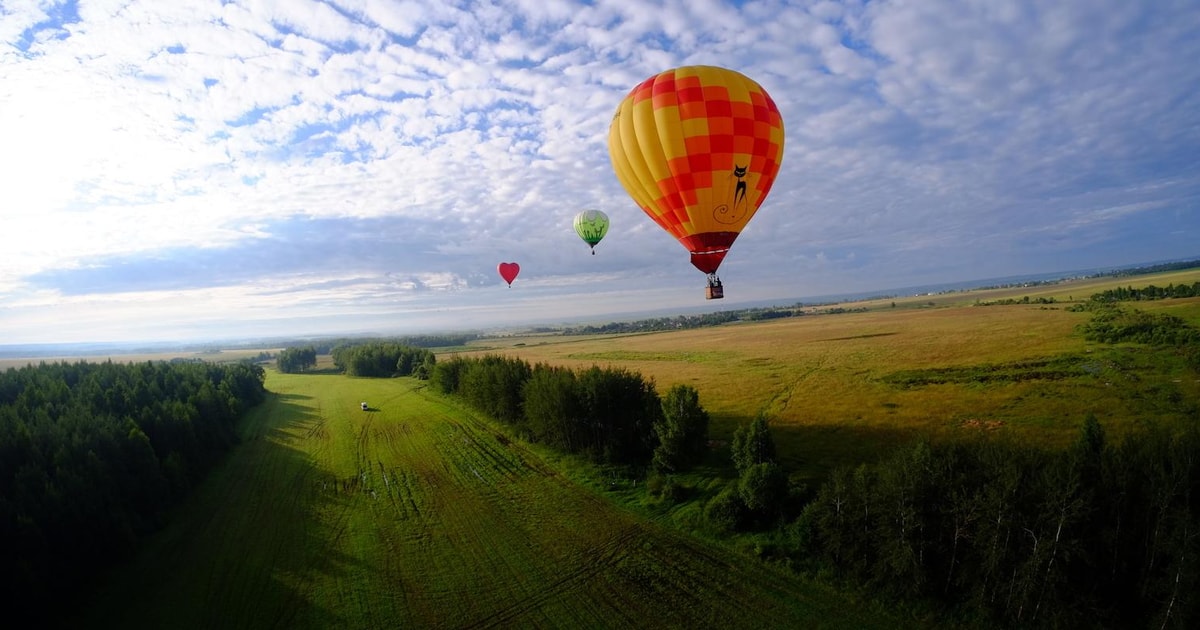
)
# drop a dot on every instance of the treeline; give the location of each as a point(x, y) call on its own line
point(1011, 301)
point(993, 533)
point(609, 416)
point(682, 322)
point(293, 360)
point(93, 454)
point(1150, 292)
point(384, 359)
point(1149, 269)
point(326, 346)
point(988, 533)
point(1112, 324)
point(1097, 536)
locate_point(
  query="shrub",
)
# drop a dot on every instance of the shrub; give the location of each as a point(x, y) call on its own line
point(682, 430)
point(763, 488)
point(752, 445)
point(725, 512)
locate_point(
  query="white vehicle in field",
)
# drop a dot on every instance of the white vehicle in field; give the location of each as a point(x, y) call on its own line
point(364, 406)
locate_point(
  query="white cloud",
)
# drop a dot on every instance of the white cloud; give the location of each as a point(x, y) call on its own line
point(987, 132)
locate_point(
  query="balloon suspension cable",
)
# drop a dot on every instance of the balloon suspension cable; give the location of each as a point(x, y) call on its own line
point(713, 280)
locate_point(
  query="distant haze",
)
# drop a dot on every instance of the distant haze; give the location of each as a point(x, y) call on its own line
point(269, 340)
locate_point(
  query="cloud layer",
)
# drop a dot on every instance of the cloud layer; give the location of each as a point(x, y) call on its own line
point(174, 170)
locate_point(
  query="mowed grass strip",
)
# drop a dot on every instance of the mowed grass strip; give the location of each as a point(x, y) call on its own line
point(417, 514)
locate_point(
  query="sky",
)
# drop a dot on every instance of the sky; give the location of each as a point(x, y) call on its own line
point(238, 169)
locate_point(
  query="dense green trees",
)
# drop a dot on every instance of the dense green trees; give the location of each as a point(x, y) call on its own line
point(293, 360)
point(493, 385)
point(1094, 536)
point(552, 407)
point(1022, 300)
point(383, 359)
point(620, 410)
point(1111, 324)
point(92, 456)
point(327, 346)
point(608, 415)
point(762, 489)
point(752, 445)
point(1149, 269)
point(759, 495)
point(682, 431)
point(1149, 292)
point(680, 322)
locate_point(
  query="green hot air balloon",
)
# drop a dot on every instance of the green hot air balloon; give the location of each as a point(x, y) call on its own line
point(591, 226)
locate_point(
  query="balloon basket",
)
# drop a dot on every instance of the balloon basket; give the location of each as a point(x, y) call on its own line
point(715, 290)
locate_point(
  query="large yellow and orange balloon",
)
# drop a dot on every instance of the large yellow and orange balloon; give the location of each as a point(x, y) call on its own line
point(698, 148)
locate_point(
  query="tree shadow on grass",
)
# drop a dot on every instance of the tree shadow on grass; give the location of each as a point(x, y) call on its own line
point(323, 371)
point(245, 549)
point(809, 452)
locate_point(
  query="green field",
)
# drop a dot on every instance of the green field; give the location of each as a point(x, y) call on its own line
point(416, 514)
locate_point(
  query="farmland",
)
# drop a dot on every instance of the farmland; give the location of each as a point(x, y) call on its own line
point(843, 388)
point(420, 513)
point(415, 513)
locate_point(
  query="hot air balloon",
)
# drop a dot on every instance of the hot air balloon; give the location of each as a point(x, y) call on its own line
point(698, 148)
point(508, 271)
point(591, 226)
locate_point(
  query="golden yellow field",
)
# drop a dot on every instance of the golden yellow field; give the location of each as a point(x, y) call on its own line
point(828, 382)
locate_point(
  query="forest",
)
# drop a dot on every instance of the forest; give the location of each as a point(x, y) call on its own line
point(296, 360)
point(607, 415)
point(990, 532)
point(1100, 535)
point(383, 359)
point(1149, 292)
point(682, 322)
point(998, 533)
point(1011, 534)
point(327, 346)
point(93, 455)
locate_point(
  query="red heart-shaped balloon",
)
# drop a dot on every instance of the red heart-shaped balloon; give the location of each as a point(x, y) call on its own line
point(508, 271)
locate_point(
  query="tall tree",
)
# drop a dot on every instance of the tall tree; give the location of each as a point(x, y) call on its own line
point(293, 360)
point(682, 431)
point(753, 445)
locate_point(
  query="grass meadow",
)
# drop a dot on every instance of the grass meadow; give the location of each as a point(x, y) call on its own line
point(844, 388)
point(417, 514)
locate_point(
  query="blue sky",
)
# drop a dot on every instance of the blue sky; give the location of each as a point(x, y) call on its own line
point(178, 171)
